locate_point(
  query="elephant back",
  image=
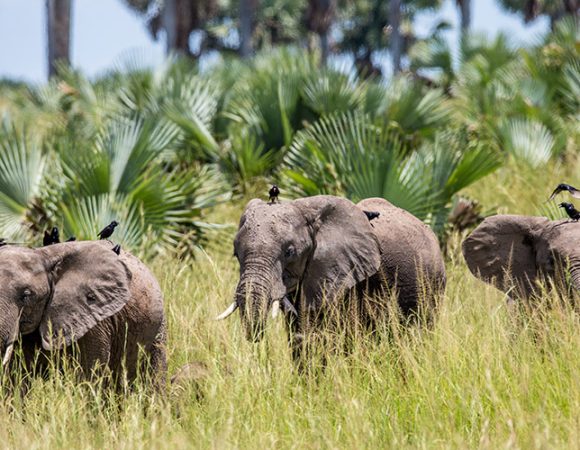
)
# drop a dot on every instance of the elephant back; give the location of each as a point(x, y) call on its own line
point(410, 250)
point(146, 302)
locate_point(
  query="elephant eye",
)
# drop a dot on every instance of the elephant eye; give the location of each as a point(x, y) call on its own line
point(289, 252)
point(26, 295)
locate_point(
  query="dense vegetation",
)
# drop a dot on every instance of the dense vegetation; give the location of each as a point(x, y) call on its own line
point(156, 149)
point(174, 153)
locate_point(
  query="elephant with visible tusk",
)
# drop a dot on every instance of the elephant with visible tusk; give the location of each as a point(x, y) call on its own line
point(516, 253)
point(81, 293)
point(305, 256)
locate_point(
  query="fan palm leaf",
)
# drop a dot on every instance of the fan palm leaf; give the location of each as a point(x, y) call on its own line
point(528, 141)
point(120, 155)
point(333, 92)
point(346, 154)
point(84, 217)
point(22, 168)
point(413, 109)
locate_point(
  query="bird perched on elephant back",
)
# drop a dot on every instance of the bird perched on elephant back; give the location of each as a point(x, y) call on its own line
point(306, 255)
point(515, 253)
point(81, 293)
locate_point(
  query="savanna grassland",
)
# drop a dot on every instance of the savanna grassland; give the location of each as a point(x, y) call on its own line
point(483, 377)
point(174, 154)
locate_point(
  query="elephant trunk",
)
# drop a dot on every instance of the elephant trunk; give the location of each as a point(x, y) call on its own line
point(253, 297)
point(9, 329)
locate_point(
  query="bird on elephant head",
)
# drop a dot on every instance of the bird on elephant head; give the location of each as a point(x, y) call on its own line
point(81, 294)
point(51, 237)
point(108, 231)
point(572, 212)
point(305, 256)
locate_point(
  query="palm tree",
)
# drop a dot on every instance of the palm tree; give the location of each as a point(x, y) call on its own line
point(348, 154)
point(369, 27)
point(396, 39)
point(58, 27)
point(318, 19)
point(179, 18)
point(465, 10)
point(247, 18)
point(532, 9)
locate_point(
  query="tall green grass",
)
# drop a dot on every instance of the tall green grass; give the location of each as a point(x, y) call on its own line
point(485, 375)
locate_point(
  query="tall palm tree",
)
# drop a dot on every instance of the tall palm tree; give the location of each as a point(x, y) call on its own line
point(532, 9)
point(396, 38)
point(318, 19)
point(176, 20)
point(465, 11)
point(58, 26)
point(179, 18)
point(247, 20)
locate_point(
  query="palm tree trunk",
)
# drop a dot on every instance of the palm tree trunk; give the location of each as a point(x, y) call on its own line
point(324, 48)
point(177, 24)
point(58, 26)
point(318, 19)
point(396, 38)
point(465, 8)
point(571, 7)
point(247, 13)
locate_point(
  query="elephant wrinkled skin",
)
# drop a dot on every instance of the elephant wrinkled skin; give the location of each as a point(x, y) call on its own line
point(515, 253)
point(307, 255)
point(81, 293)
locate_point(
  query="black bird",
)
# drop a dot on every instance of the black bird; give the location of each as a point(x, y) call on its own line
point(55, 235)
point(565, 187)
point(372, 214)
point(3, 242)
point(117, 249)
point(107, 232)
point(52, 237)
point(274, 193)
point(572, 212)
point(71, 239)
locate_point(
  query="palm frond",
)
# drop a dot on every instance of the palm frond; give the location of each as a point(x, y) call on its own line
point(244, 158)
point(527, 140)
point(333, 92)
point(346, 154)
point(414, 110)
point(571, 87)
point(22, 168)
point(84, 217)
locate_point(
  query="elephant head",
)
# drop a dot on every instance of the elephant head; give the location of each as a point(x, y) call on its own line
point(323, 244)
point(515, 252)
point(62, 291)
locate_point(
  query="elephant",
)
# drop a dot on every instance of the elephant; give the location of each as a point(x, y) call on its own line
point(306, 256)
point(516, 253)
point(82, 297)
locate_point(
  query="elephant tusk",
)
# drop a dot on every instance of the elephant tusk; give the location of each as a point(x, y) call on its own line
point(275, 308)
point(289, 307)
point(228, 312)
point(7, 354)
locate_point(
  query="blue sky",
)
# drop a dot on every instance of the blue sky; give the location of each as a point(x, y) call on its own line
point(105, 32)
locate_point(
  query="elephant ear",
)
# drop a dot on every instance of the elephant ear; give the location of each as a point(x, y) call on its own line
point(90, 283)
point(346, 249)
point(503, 249)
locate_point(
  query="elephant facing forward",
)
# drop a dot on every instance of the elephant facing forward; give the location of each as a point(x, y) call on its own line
point(514, 253)
point(306, 255)
point(81, 293)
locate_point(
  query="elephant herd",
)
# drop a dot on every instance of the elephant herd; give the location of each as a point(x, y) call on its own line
point(306, 259)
